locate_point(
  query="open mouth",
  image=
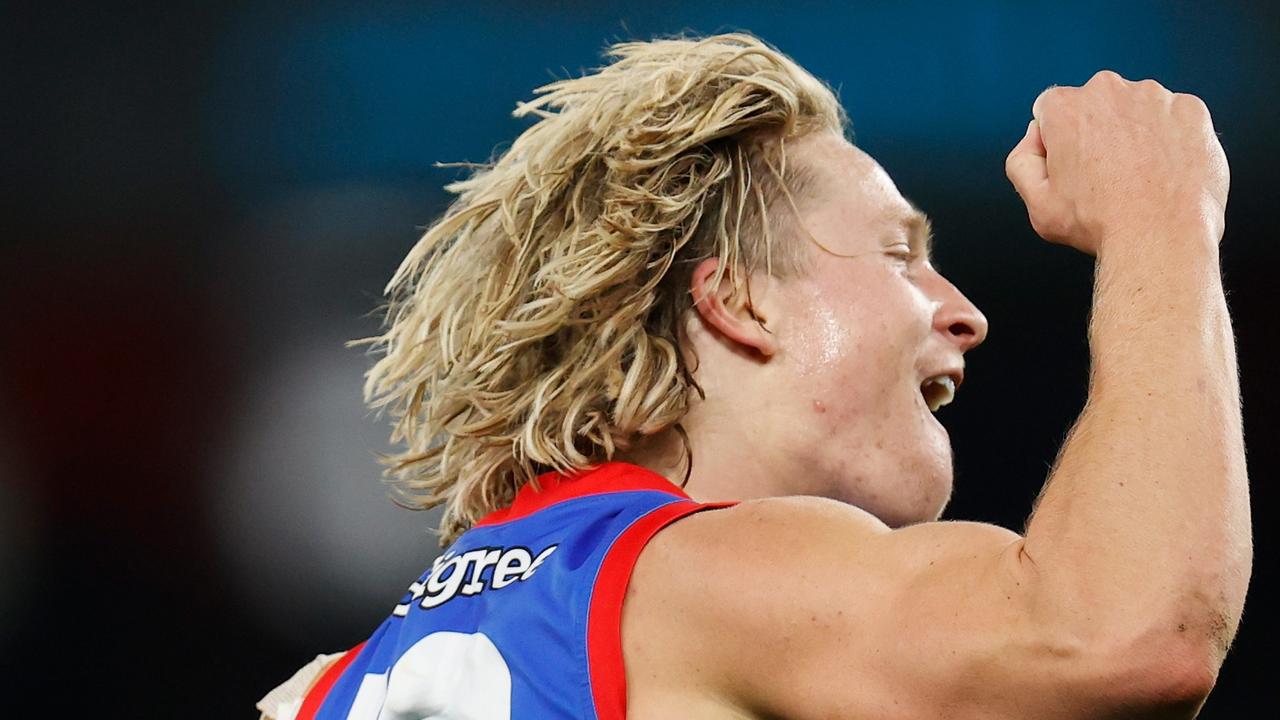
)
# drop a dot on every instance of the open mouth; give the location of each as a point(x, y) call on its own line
point(938, 391)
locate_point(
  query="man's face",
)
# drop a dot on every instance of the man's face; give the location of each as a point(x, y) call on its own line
point(857, 337)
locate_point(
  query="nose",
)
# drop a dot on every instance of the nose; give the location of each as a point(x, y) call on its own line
point(957, 318)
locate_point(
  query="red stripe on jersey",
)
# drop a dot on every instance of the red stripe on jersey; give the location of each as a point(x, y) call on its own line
point(608, 677)
point(552, 488)
point(315, 696)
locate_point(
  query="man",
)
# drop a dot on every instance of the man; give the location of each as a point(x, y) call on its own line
point(670, 364)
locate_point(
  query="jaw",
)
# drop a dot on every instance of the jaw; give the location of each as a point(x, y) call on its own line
point(920, 472)
point(901, 486)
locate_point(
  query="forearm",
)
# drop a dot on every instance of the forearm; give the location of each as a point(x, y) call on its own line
point(1143, 528)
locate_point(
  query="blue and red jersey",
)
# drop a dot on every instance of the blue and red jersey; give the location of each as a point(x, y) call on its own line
point(520, 617)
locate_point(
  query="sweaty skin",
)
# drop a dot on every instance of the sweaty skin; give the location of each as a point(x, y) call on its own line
point(832, 389)
point(1124, 592)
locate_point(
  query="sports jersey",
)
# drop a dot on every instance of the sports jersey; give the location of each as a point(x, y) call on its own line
point(520, 617)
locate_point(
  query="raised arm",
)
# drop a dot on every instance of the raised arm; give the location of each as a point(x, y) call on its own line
point(1145, 520)
point(1121, 597)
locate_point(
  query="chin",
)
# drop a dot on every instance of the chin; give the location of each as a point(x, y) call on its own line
point(924, 502)
point(900, 492)
point(942, 507)
point(941, 496)
point(907, 508)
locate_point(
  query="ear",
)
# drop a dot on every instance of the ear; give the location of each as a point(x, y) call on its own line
point(737, 321)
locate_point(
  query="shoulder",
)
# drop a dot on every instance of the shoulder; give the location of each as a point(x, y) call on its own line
point(802, 538)
point(729, 548)
point(720, 588)
point(771, 519)
point(770, 596)
point(782, 532)
point(784, 536)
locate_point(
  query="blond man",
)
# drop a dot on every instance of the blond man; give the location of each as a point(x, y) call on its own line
point(670, 362)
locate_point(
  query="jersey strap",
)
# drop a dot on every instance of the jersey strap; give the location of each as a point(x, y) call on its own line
point(552, 488)
point(604, 619)
point(315, 697)
point(587, 530)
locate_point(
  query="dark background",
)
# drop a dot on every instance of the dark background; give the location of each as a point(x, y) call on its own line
point(201, 202)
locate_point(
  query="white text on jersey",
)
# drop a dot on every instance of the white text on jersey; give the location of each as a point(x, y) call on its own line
point(453, 574)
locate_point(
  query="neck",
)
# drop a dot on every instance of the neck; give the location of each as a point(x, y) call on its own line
point(725, 467)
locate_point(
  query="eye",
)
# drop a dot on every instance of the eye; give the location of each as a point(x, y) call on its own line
point(902, 253)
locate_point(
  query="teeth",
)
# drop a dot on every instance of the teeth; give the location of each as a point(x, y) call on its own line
point(938, 391)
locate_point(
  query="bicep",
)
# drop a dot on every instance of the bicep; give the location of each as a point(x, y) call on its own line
point(845, 618)
point(938, 624)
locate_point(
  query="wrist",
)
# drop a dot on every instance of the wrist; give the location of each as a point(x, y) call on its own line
point(1190, 234)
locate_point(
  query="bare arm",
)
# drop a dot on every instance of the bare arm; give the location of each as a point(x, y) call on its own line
point(1145, 520)
point(1120, 599)
point(1142, 534)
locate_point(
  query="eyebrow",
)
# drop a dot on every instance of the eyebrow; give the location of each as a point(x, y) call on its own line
point(919, 232)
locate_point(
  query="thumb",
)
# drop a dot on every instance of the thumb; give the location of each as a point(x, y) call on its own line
point(1027, 168)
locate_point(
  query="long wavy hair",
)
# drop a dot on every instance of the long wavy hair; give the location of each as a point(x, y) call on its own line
point(535, 326)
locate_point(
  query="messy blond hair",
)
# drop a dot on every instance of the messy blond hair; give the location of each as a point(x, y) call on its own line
point(535, 326)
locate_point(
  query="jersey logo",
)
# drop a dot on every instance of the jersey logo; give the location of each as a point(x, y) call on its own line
point(471, 573)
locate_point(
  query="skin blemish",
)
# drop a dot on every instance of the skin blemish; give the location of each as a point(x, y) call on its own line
point(819, 407)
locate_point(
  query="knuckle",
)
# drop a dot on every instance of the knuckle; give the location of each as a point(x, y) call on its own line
point(1011, 164)
point(1150, 86)
point(1106, 76)
point(1054, 228)
point(1051, 98)
point(1190, 103)
point(1044, 227)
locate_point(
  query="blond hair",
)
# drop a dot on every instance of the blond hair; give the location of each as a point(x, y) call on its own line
point(535, 325)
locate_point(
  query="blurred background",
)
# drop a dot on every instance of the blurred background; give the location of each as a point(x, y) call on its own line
point(202, 202)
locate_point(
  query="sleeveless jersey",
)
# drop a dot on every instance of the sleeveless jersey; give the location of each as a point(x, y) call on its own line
point(520, 617)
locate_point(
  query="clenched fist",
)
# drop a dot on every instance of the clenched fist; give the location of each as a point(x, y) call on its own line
point(1113, 158)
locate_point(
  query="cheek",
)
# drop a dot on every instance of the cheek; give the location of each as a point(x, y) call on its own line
point(822, 342)
point(854, 342)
